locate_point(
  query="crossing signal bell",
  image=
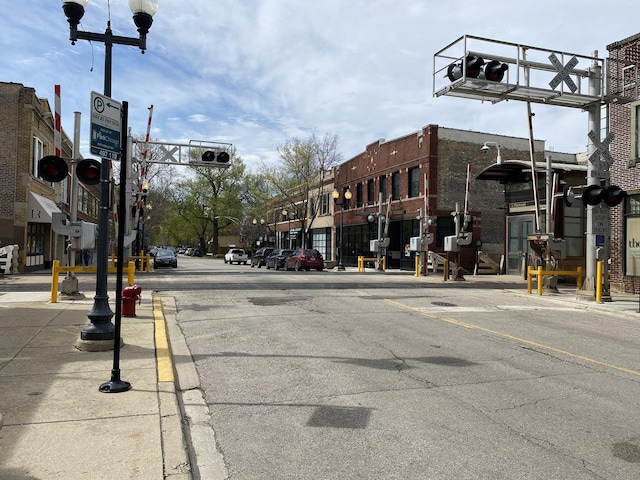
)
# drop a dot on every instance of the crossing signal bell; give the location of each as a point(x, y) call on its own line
point(611, 196)
point(52, 169)
point(475, 67)
point(219, 158)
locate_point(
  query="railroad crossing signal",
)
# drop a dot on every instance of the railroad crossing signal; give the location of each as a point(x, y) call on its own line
point(611, 196)
point(474, 66)
point(602, 148)
point(88, 171)
point(52, 168)
point(563, 73)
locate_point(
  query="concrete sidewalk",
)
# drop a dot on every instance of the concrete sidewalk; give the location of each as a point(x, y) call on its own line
point(57, 424)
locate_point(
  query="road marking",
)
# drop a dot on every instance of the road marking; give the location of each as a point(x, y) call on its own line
point(494, 308)
point(163, 350)
point(472, 326)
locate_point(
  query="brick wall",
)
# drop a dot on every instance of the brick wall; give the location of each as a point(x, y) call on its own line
point(624, 171)
point(443, 155)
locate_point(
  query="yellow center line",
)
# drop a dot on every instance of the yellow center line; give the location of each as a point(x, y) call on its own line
point(512, 337)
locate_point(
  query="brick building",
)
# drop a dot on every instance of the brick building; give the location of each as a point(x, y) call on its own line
point(27, 202)
point(624, 120)
point(429, 167)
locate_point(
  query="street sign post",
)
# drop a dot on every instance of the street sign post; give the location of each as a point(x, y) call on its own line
point(105, 126)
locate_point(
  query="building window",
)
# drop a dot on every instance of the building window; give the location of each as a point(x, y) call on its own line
point(574, 228)
point(324, 204)
point(635, 134)
point(632, 236)
point(321, 241)
point(359, 197)
point(38, 153)
point(414, 182)
point(395, 186)
point(35, 239)
point(371, 192)
point(383, 188)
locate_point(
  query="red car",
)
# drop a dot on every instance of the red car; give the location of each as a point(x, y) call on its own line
point(305, 259)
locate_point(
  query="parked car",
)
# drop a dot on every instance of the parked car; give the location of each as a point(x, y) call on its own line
point(236, 255)
point(277, 258)
point(305, 259)
point(259, 257)
point(165, 258)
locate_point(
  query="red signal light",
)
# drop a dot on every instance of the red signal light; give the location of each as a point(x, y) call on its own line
point(52, 169)
point(88, 171)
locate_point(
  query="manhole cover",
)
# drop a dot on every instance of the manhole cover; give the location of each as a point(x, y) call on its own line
point(443, 304)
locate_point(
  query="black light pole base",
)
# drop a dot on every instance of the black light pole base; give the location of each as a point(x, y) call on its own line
point(100, 317)
point(115, 385)
point(98, 331)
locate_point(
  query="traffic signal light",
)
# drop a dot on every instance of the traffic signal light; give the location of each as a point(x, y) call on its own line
point(476, 67)
point(494, 71)
point(52, 169)
point(473, 67)
point(211, 156)
point(88, 171)
point(611, 196)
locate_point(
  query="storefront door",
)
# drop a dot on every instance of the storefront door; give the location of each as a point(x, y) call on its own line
point(518, 227)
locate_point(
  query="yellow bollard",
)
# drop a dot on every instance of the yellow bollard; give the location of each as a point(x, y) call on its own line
point(54, 281)
point(599, 281)
point(417, 265)
point(579, 280)
point(540, 280)
point(131, 273)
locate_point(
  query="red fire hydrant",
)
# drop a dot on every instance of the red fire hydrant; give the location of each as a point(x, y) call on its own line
point(130, 295)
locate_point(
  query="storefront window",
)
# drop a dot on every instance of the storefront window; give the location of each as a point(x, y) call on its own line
point(632, 236)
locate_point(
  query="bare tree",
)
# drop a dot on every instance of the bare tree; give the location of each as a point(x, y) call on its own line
point(299, 179)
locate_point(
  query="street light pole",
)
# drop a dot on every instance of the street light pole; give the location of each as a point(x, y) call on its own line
point(285, 213)
point(99, 334)
point(346, 196)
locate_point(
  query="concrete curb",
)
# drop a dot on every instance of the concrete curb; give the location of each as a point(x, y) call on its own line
point(207, 462)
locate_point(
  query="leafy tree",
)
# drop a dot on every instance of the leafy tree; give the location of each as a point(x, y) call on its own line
point(212, 200)
point(299, 179)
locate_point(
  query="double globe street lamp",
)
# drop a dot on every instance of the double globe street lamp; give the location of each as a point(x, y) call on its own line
point(101, 328)
point(346, 196)
point(285, 213)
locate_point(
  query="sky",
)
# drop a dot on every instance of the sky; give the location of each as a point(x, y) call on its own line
point(256, 73)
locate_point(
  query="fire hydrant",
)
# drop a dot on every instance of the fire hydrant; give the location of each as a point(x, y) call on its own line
point(130, 295)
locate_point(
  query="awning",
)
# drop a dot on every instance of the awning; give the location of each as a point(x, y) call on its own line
point(41, 208)
point(519, 171)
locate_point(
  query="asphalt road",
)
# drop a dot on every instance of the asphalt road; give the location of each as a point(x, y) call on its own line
point(340, 375)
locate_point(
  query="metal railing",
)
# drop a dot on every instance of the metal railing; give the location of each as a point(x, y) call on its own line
point(362, 260)
point(539, 273)
point(56, 269)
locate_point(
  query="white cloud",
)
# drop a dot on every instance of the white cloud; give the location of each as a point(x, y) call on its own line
point(257, 72)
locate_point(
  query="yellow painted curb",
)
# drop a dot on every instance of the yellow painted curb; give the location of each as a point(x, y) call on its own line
point(164, 359)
